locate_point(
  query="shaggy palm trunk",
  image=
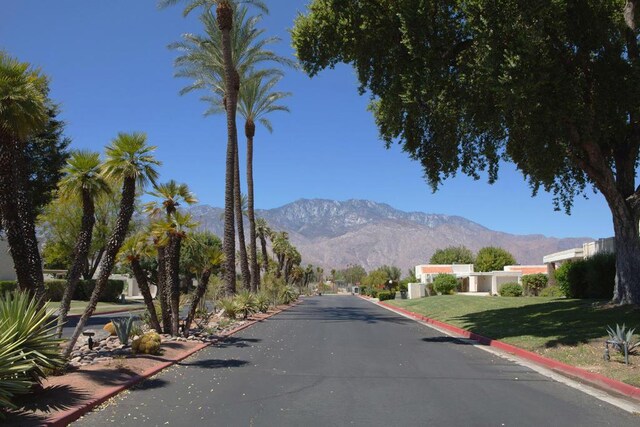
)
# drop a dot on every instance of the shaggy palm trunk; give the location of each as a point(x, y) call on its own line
point(18, 221)
point(143, 284)
point(249, 129)
point(224, 16)
point(265, 255)
point(237, 198)
point(80, 253)
point(200, 290)
point(162, 290)
point(108, 260)
point(172, 268)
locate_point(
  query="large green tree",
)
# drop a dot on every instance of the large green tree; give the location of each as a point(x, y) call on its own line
point(452, 255)
point(492, 258)
point(461, 84)
point(129, 161)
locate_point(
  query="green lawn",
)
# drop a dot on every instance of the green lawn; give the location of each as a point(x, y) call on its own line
point(77, 307)
point(572, 331)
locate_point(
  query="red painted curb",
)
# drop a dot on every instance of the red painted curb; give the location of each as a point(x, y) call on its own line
point(591, 377)
point(71, 415)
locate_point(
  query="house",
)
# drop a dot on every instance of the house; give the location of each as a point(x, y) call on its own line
point(7, 272)
point(425, 273)
point(554, 260)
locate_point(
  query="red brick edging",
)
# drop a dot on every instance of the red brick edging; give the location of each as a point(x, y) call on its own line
point(72, 414)
point(579, 373)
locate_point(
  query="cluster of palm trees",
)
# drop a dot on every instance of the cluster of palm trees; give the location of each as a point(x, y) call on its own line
point(232, 64)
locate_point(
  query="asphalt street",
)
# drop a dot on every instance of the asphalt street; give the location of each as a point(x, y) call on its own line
point(342, 361)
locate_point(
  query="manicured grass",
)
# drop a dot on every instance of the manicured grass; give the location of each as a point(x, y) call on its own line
point(77, 307)
point(572, 331)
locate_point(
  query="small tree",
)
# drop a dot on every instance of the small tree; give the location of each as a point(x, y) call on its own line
point(445, 284)
point(491, 258)
point(452, 255)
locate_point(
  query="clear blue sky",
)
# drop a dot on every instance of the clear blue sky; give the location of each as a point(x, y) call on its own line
point(111, 71)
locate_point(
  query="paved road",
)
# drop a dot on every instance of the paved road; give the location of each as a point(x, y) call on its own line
point(342, 361)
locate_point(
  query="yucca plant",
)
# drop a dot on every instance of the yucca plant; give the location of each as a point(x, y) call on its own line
point(123, 327)
point(288, 295)
point(12, 366)
point(229, 306)
point(263, 301)
point(622, 340)
point(246, 303)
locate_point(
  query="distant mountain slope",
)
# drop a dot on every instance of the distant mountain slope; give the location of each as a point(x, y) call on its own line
point(333, 234)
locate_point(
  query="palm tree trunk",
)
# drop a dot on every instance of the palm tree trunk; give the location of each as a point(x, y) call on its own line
point(173, 280)
point(237, 198)
point(265, 255)
point(108, 260)
point(253, 251)
point(162, 290)
point(18, 220)
point(200, 290)
point(143, 284)
point(224, 16)
point(80, 253)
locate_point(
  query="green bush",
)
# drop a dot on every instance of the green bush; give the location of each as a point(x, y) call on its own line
point(593, 277)
point(55, 289)
point(552, 291)
point(386, 295)
point(7, 286)
point(230, 308)
point(111, 293)
point(262, 302)
point(534, 283)
point(445, 284)
point(511, 289)
point(28, 345)
point(246, 303)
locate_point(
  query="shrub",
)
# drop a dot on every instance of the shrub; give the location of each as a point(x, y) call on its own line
point(552, 291)
point(386, 295)
point(532, 284)
point(111, 292)
point(229, 307)
point(510, 289)
point(28, 345)
point(149, 343)
point(7, 286)
point(562, 277)
point(593, 277)
point(262, 302)
point(445, 284)
point(245, 303)
point(288, 295)
point(55, 289)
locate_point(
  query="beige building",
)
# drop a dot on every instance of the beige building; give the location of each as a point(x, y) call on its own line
point(7, 272)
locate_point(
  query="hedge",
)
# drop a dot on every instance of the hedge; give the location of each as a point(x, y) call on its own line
point(445, 284)
point(510, 289)
point(593, 277)
point(386, 295)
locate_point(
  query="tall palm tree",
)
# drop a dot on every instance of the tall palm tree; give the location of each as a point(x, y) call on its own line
point(23, 112)
point(256, 100)
point(263, 231)
point(279, 246)
point(129, 160)
point(82, 177)
point(133, 250)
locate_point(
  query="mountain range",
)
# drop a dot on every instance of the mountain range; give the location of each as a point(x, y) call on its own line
point(334, 234)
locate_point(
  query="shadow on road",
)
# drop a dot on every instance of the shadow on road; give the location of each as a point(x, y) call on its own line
point(238, 342)
point(216, 363)
point(349, 313)
point(446, 340)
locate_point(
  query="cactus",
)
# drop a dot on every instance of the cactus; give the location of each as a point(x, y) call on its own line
point(149, 343)
point(123, 326)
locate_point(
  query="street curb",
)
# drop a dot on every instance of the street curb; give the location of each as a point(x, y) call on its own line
point(73, 414)
point(578, 373)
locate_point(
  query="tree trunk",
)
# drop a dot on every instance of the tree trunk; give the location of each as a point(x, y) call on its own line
point(162, 290)
point(200, 290)
point(265, 255)
point(143, 284)
point(80, 253)
point(95, 264)
point(18, 220)
point(108, 260)
point(224, 16)
point(173, 280)
point(627, 243)
point(237, 198)
point(253, 250)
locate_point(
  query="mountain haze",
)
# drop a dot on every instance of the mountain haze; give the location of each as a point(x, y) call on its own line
point(333, 234)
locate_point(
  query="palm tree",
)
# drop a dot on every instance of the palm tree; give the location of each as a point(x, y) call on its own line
point(263, 231)
point(256, 101)
point(280, 245)
point(133, 249)
point(23, 112)
point(221, 74)
point(129, 160)
point(82, 177)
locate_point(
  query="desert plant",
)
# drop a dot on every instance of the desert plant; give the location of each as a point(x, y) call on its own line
point(29, 348)
point(532, 284)
point(510, 289)
point(246, 303)
point(229, 306)
point(149, 343)
point(262, 302)
point(123, 327)
point(622, 340)
point(288, 295)
point(445, 284)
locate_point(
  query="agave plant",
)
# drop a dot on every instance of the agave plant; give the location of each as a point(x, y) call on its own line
point(263, 301)
point(288, 295)
point(621, 338)
point(246, 303)
point(123, 327)
point(229, 306)
point(28, 345)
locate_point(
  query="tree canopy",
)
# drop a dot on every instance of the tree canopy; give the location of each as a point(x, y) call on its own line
point(452, 255)
point(463, 84)
point(493, 259)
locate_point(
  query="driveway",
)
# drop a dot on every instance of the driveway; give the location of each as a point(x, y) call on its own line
point(342, 361)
